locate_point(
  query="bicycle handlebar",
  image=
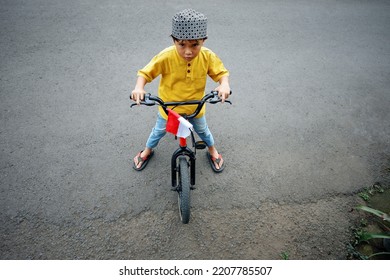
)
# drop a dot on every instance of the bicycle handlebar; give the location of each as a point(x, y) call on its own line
point(212, 97)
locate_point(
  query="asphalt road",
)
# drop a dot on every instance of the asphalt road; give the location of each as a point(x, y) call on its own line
point(309, 127)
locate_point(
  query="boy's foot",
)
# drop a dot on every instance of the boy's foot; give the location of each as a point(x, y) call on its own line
point(140, 161)
point(217, 163)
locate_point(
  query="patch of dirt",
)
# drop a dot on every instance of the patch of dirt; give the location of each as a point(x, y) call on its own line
point(318, 230)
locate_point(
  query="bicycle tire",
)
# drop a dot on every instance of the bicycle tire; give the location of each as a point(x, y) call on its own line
point(184, 191)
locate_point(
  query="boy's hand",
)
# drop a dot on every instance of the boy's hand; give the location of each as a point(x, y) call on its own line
point(223, 89)
point(138, 95)
point(223, 93)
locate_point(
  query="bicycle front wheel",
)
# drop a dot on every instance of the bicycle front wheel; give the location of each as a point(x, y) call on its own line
point(184, 190)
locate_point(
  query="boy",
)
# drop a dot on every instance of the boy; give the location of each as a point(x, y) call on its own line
point(183, 68)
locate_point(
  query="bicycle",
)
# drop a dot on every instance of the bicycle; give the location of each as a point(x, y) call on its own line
point(183, 159)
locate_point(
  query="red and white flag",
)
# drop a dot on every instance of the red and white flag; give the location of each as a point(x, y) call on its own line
point(178, 125)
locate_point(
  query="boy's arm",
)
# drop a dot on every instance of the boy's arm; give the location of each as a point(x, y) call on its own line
point(139, 92)
point(223, 88)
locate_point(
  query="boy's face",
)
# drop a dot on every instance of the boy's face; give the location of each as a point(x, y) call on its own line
point(188, 49)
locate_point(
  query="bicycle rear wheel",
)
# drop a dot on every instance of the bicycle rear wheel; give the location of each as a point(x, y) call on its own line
point(184, 190)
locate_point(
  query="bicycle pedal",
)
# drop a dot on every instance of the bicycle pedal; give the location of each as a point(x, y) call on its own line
point(192, 188)
point(200, 145)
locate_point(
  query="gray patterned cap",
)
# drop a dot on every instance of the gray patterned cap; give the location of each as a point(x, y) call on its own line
point(189, 25)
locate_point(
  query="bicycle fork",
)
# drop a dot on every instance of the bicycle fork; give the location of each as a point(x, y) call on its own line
point(183, 150)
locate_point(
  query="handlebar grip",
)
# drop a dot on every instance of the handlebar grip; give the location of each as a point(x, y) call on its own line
point(215, 92)
point(216, 99)
point(149, 100)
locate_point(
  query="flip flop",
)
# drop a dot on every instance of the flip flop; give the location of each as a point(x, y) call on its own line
point(144, 161)
point(213, 160)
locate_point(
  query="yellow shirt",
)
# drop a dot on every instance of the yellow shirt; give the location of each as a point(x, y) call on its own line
point(182, 80)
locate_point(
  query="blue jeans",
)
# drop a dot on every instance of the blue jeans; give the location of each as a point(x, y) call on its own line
point(200, 127)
